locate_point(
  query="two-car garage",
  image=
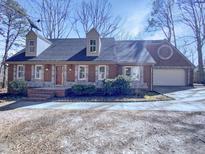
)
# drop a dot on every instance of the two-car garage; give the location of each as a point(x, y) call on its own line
point(169, 77)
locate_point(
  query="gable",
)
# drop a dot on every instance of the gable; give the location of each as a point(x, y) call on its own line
point(166, 54)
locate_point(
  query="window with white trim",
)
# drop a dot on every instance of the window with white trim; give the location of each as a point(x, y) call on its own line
point(31, 46)
point(92, 45)
point(38, 71)
point(101, 72)
point(81, 72)
point(133, 72)
point(20, 71)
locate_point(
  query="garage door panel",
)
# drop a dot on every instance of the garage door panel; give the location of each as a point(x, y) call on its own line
point(169, 77)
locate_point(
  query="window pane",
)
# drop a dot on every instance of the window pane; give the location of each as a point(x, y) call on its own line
point(92, 42)
point(38, 72)
point(31, 43)
point(136, 73)
point(82, 72)
point(102, 69)
point(102, 73)
point(92, 49)
point(31, 49)
point(128, 71)
point(20, 72)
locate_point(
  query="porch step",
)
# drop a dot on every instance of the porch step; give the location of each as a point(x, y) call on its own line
point(39, 94)
point(35, 99)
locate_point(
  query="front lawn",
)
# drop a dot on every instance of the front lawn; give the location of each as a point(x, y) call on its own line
point(58, 131)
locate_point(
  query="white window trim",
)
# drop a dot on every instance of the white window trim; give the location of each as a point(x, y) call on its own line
point(41, 73)
point(93, 46)
point(79, 72)
point(17, 76)
point(31, 45)
point(104, 72)
point(131, 77)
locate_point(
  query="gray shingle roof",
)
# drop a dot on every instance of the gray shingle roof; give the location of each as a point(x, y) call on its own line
point(133, 52)
point(111, 50)
point(20, 56)
point(75, 50)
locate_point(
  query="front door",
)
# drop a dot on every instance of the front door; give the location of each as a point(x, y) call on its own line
point(59, 75)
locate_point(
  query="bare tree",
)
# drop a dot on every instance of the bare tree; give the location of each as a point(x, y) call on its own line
point(54, 17)
point(161, 18)
point(97, 14)
point(193, 16)
point(13, 27)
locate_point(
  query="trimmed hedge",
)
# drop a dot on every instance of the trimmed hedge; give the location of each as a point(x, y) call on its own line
point(117, 86)
point(81, 90)
point(18, 87)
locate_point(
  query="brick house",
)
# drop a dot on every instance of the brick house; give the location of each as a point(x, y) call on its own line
point(63, 62)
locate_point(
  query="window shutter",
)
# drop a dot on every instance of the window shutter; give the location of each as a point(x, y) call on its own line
point(76, 72)
point(42, 73)
point(86, 72)
point(15, 72)
point(96, 72)
point(33, 72)
point(107, 71)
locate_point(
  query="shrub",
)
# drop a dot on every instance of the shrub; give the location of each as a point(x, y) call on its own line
point(18, 87)
point(117, 86)
point(81, 90)
point(108, 87)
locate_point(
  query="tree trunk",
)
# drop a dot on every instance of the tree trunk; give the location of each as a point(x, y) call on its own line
point(200, 62)
point(4, 77)
point(6, 54)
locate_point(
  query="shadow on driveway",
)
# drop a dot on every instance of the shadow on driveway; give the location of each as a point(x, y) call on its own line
point(170, 89)
point(19, 104)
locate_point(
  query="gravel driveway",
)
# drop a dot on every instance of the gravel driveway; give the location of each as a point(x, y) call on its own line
point(58, 131)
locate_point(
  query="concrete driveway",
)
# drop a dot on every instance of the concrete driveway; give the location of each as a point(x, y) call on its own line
point(185, 100)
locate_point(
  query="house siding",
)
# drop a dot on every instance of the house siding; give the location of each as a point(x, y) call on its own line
point(113, 71)
point(71, 73)
point(48, 72)
point(10, 73)
point(91, 74)
point(71, 76)
point(147, 74)
point(189, 77)
point(177, 59)
point(28, 72)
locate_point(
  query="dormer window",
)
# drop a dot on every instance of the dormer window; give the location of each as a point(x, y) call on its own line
point(31, 46)
point(92, 45)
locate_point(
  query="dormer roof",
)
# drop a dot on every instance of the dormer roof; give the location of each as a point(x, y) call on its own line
point(93, 30)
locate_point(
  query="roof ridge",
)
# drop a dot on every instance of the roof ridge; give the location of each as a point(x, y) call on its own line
point(139, 40)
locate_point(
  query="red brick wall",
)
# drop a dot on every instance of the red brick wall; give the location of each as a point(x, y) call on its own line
point(147, 76)
point(47, 72)
point(28, 72)
point(10, 72)
point(120, 70)
point(113, 71)
point(91, 73)
point(71, 72)
point(191, 77)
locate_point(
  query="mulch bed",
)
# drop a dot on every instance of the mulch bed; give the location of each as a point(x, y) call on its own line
point(133, 98)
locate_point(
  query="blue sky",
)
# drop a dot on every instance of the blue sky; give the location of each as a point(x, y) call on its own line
point(133, 13)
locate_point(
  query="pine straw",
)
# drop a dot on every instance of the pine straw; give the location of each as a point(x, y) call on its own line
point(57, 131)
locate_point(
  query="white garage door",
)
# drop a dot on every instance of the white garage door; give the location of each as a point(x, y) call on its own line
point(169, 77)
